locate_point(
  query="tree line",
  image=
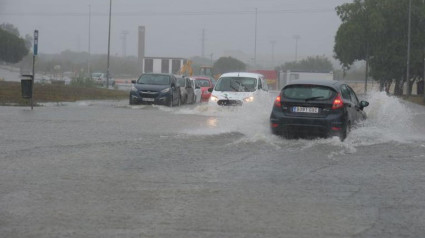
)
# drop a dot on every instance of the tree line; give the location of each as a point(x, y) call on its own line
point(376, 31)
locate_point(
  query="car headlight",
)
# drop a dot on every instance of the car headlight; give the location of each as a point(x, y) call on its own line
point(133, 88)
point(165, 90)
point(249, 99)
point(214, 98)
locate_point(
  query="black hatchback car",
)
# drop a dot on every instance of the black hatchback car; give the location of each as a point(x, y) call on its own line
point(316, 108)
point(155, 88)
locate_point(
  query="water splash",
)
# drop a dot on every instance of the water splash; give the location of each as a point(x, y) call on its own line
point(389, 120)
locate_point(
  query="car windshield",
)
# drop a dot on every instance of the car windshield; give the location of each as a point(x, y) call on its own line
point(95, 75)
point(308, 92)
point(154, 79)
point(202, 83)
point(236, 84)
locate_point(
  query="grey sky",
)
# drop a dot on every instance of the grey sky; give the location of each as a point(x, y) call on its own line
point(173, 28)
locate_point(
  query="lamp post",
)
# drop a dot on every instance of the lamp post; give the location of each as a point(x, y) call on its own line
point(273, 42)
point(35, 53)
point(255, 38)
point(89, 47)
point(109, 44)
point(408, 45)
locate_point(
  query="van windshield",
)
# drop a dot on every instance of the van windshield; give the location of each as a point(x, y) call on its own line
point(154, 79)
point(236, 84)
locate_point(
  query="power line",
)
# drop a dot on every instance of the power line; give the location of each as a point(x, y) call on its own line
point(154, 14)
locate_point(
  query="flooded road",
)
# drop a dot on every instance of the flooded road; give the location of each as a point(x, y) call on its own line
point(106, 169)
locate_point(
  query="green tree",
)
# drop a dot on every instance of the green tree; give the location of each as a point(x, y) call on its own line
point(228, 64)
point(12, 48)
point(10, 28)
point(376, 31)
point(311, 64)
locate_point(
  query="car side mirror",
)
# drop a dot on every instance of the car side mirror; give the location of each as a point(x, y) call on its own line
point(363, 104)
point(133, 81)
point(210, 90)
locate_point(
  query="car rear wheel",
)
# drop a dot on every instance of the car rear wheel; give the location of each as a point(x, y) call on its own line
point(345, 131)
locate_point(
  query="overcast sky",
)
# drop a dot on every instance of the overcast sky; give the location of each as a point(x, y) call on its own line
point(174, 27)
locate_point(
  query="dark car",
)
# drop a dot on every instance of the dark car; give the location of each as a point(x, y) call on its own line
point(316, 108)
point(155, 89)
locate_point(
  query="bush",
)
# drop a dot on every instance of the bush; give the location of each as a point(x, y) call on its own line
point(83, 82)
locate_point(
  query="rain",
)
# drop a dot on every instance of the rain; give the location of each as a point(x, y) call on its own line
point(107, 167)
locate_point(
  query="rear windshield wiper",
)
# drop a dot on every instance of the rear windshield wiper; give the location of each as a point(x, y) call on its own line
point(313, 98)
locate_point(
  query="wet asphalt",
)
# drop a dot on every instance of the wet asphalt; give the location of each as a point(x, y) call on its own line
point(105, 169)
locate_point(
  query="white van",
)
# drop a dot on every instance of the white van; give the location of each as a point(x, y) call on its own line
point(237, 88)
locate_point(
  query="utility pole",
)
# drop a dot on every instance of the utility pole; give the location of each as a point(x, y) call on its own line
point(109, 44)
point(255, 38)
point(203, 43)
point(124, 42)
point(273, 42)
point(408, 48)
point(296, 37)
point(35, 53)
point(89, 49)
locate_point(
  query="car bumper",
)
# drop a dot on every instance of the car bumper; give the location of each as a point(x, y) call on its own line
point(162, 99)
point(296, 126)
point(205, 97)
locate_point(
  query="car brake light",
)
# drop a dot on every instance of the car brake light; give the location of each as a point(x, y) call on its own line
point(338, 103)
point(277, 101)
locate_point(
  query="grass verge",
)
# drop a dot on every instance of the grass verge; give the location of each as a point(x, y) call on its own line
point(10, 93)
point(418, 99)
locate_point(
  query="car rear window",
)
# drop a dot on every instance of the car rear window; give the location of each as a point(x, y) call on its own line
point(303, 92)
point(202, 83)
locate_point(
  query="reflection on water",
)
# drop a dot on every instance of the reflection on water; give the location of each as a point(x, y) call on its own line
point(212, 122)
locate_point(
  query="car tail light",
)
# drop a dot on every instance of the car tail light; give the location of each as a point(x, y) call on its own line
point(277, 101)
point(338, 103)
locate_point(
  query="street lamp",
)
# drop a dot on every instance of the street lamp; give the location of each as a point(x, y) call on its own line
point(89, 47)
point(255, 38)
point(273, 42)
point(109, 44)
point(408, 44)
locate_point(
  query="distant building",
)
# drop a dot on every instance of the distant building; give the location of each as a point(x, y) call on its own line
point(141, 46)
point(162, 65)
point(169, 65)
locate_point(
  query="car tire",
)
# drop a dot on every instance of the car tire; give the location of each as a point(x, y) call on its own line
point(170, 104)
point(345, 131)
point(130, 101)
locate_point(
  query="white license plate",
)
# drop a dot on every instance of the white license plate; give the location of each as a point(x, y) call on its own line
point(148, 99)
point(306, 109)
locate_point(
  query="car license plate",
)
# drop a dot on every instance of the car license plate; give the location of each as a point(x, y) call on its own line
point(148, 99)
point(306, 109)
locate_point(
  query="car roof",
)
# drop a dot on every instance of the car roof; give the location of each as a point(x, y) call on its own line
point(242, 74)
point(322, 82)
point(200, 77)
point(159, 74)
